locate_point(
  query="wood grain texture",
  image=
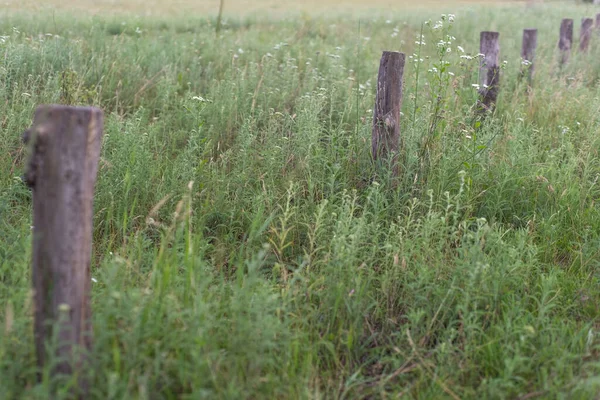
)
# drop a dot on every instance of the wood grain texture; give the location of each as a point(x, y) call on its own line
point(64, 151)
point(587, 26)
point(565, 40)
point(489, 70)
point(528, 53)
point(386, 114)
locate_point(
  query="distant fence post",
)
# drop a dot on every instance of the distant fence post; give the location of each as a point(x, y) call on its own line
point(528, 53)
point(587, 24)
point(489, 70)
point(386, 115)
point(565, 41)
point(64, 151)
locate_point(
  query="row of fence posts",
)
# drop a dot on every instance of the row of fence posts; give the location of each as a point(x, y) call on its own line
point(388, 101)
point(64, 149)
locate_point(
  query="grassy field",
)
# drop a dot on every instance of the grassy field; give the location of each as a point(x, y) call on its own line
point(245, 244)
point(237, 8)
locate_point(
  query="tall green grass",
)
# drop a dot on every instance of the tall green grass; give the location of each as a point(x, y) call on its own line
point(245, 246)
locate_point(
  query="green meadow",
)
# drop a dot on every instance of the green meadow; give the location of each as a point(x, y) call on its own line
point(246, 246)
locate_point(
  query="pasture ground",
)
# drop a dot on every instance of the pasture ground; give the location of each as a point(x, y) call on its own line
point(245, 244)
point(242, 8)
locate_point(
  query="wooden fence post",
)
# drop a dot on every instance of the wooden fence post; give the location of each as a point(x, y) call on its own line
point(528, 53)
point(565, 41)
point(386, 115)
point(587, 24)
point(489, 70)
point(64, 151)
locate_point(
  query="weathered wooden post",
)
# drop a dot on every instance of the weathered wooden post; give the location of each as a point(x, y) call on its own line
point(386, 115)
point(220, 16)
point(528, 53)
point(565, 41)
point(64, 147)
point(489, 70)
point(587, 24)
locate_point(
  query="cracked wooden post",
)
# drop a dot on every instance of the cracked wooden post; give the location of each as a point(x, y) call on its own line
point(489, 70)
point(386, 115)
point(64, 145)
point(528, 53)
point(565, 41)
point(587, 24)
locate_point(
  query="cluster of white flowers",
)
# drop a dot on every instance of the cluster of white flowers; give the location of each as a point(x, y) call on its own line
point(420, 40)
point(415, 58)
point(440, 23)
point(468, 57)
point(362, 88)
point(477, 86)
point(201, 99)
point(445, 45)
